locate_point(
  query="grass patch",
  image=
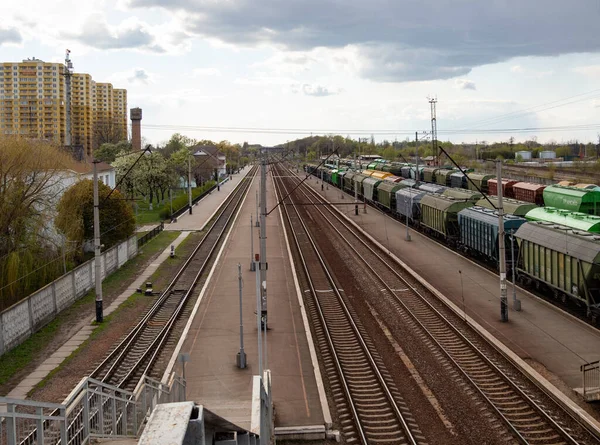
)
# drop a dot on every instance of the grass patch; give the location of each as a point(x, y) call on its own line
point(98, 330)
point(141, 234)
point(18, 358)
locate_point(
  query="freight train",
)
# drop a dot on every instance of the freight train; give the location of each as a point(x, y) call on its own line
point(560, 257)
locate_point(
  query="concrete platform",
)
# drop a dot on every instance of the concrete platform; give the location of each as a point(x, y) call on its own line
point(204, 208)
point(539, 333)
point(213, 378)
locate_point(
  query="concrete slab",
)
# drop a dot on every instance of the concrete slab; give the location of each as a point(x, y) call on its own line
point(213, 338)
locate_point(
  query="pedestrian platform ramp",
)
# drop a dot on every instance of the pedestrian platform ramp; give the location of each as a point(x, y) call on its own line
point(187, 423)
point(591, 381)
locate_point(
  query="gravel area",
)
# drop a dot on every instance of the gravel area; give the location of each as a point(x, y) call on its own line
point(115, 327)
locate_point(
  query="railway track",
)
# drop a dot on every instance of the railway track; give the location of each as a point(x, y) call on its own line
point(527, 411)
point(370, 407)
point(150, 341)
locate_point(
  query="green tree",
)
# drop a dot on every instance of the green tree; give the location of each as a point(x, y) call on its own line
point(563, 151)
point(75, 217)
point(107, 152)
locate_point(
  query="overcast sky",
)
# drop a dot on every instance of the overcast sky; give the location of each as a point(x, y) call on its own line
point(324, 66)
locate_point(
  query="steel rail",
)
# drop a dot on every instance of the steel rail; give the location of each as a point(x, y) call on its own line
point(334, 287)
point(455, 330)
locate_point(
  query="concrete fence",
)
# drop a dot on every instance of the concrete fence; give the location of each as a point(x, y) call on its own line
point(22, 319)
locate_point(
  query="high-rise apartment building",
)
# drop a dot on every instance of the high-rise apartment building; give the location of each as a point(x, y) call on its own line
point(33, 104)
point(32, 100)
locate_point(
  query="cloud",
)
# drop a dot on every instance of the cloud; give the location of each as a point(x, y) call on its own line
point(398, 41)
point(589, 70)
point(131, 34)
point(465, 84)
point(10, 35)
point(517, 69)
point(314, 90)
point(139, 75)
point(200, 72)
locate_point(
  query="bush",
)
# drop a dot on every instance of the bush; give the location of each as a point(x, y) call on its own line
point(181, 201)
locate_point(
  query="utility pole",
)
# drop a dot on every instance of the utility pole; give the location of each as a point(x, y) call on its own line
point(263, 237)
point(501, 245)
point(190, 182)
point(258, 317)
point(97, 247)
point(355, 190)
point(417, 176)
point(432, 102)
point(68, 74)
point(241, 355)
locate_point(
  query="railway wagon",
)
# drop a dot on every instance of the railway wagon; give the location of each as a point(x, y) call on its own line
point(481, 180)
point(370, 188)
point(439, 215)
point(394, 168)
point(358, 179)
point(442, 176)
point(407, 183)
point(507, 187)
point(429, 174)
point(393, 178)
point(462, 194)
point(386, 194)
point(405, 171)
point(564, 261)
point(335, 177)
point(458, 180)
point(574, 220)
point(380, 175)
point(530, 192)
point(348, 182)
point(572, 198)
point(416, 175)
point(431, 188)
point(407, 203)
point(511, 206)
point(479, 234)
point(567, 183)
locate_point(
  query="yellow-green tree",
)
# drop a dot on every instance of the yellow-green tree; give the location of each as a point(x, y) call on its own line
point(75, 217)
point(31, 173)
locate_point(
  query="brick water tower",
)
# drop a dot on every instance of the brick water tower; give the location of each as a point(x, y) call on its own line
point(136, 128)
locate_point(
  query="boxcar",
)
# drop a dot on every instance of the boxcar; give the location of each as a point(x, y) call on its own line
point(565, 261)
point(439, 214)
point(393, 178)
point(413, 172)
point(358, 179)
point(511, 206)
point(429, 174)
point(572, 198)
point(527, 191)
point(348, 183)
point(407, 203)
point(507, 187)
point(386, 194)
point(407, 183)
point(463, 194)
point(405, 171)
point(574, 220)
point(481, 180)
point(431, 188)
point(380, 175)
point(442, 176)
point(370, 186)
point(458, 180)
point(479, 233)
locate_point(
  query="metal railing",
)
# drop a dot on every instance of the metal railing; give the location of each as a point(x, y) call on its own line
point(590, 373)
point(93, 409)
point(151, 234)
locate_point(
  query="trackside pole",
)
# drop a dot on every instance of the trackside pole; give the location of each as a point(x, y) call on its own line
point(502, 247)
point(241, 356)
